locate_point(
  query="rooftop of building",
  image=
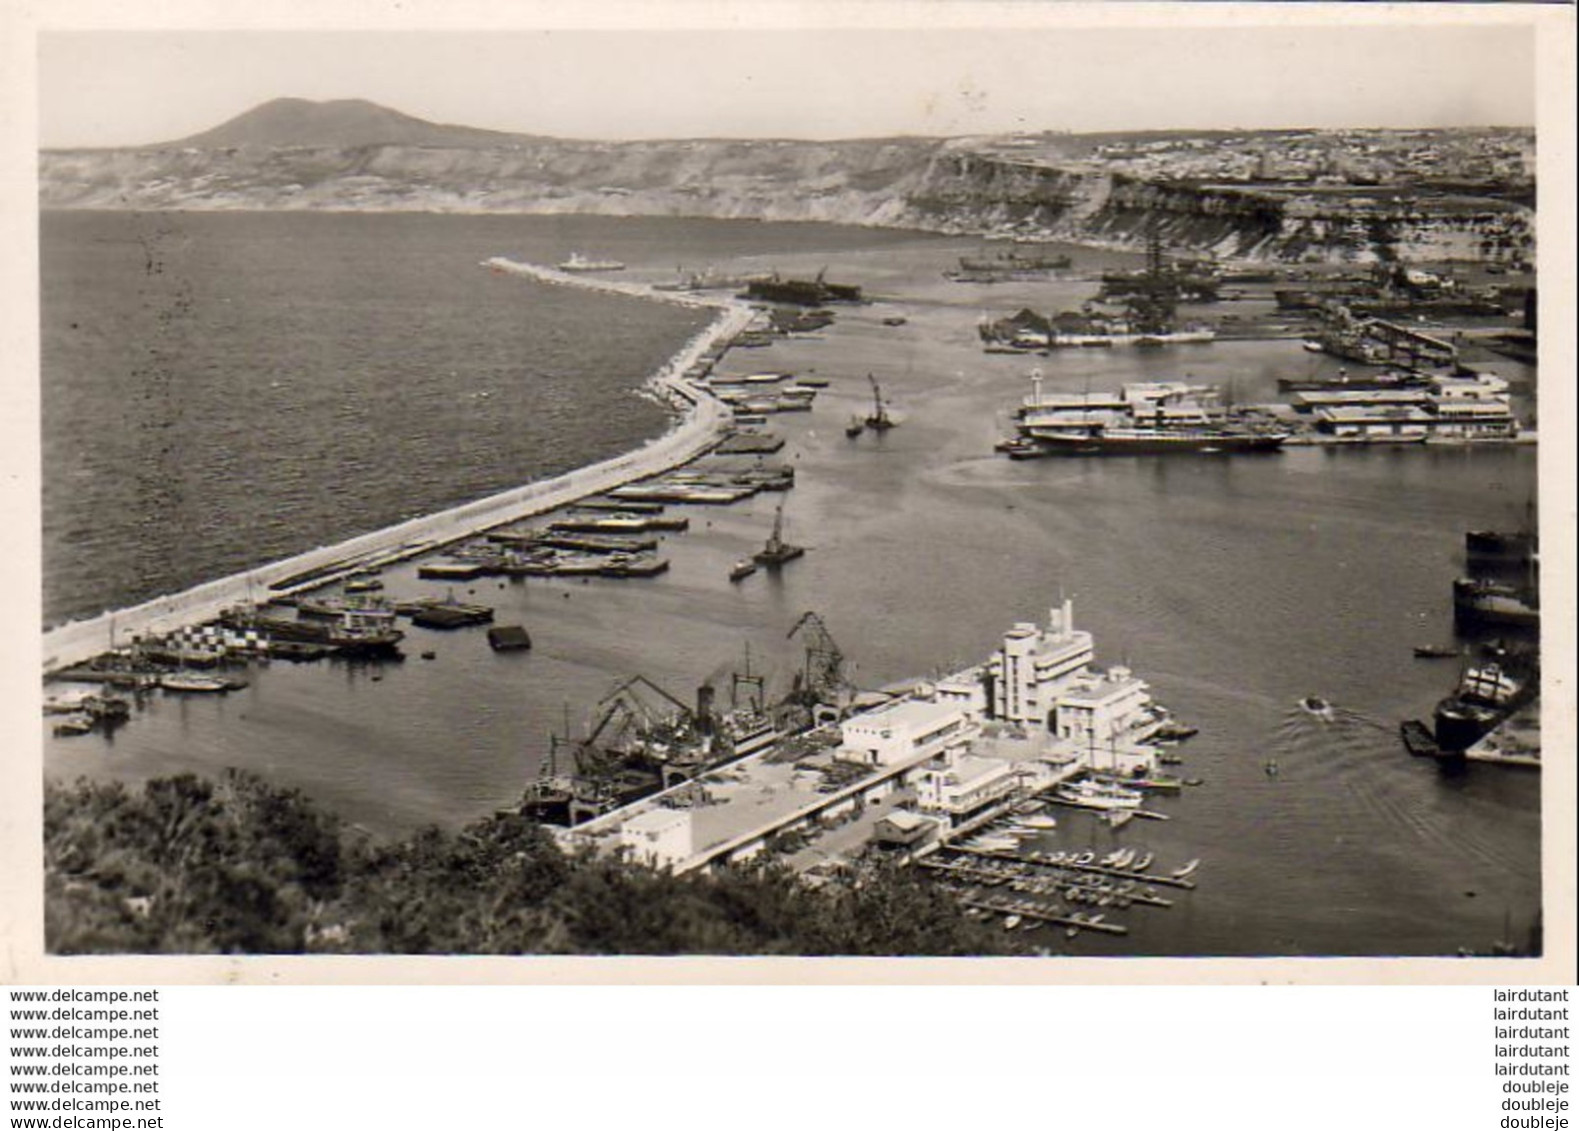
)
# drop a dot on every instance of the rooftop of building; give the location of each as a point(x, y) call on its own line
point(968, 769)
point(1358, 413)
point(657, 819)
point(1100, 687)
point(908, 714)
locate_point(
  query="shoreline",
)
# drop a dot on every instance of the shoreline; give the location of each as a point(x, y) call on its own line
point(1135, 246)
point(700, 422)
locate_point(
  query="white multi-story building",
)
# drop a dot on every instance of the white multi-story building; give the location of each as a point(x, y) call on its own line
point(960, 784)
point(1033, 664)
point(1106, 710)
point(1476, 406)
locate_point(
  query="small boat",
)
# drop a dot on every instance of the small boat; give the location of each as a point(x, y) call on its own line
point(429, 655)
point(895, 320)
point(1041, 822)
point(1085, 858)
point(1187, 870)
point(76, 723)
point(1172, 731)
point(742, 569)
point(1317, 706)
point(1436, 651)
point(364, 581)
point(855, 427)
point(195, 684)
point(1143, 863)
point(1271, 767)
point(1011, 922)
point(577, 263)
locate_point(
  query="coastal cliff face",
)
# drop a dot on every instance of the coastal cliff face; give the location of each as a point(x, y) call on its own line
point(943, 186)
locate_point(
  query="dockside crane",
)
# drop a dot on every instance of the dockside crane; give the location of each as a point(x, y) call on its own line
point(822, 680)
point(878, 420)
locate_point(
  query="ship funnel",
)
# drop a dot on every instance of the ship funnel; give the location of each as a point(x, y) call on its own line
point(704, 708)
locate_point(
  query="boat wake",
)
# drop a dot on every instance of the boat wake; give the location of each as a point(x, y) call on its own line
point(1355, 763)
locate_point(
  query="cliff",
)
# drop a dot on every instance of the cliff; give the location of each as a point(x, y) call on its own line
point(289, 155)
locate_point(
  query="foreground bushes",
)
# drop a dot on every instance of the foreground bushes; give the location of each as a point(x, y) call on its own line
point(187, 865)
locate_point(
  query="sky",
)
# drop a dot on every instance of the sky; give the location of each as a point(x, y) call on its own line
point(100, 88)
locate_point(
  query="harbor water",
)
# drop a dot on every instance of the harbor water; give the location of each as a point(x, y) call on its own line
point(1235, 586)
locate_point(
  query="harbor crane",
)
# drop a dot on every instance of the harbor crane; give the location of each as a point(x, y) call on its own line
point(822, 680)
point(878, 420)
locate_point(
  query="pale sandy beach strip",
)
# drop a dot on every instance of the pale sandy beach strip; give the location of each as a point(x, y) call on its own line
point(703, 419)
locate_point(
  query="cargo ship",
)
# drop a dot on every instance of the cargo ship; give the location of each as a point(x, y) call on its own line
point(1486, 694)
point(801, 292)
point(1016, 261)
point(1144, 418)
point(1480, 601)
point(1343, 380)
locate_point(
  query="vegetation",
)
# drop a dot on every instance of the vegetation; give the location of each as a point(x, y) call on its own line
point(187, 865)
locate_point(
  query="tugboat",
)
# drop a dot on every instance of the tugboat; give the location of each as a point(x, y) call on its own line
point(367, 628)
point(742, 569)
point(777, 552)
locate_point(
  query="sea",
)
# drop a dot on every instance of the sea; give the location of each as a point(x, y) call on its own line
point(224, 389)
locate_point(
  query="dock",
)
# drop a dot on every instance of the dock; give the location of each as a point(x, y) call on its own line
point(1046, 916)
point(1093, 869)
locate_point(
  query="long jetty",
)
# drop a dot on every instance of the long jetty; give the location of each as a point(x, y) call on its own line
point(703, 421)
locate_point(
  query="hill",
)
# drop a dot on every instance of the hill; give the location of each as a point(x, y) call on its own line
point(350, 123)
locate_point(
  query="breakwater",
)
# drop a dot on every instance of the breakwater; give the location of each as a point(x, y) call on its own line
point(702, 420)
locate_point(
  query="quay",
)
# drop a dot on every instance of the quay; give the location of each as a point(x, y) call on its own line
point(915, 772)
point(704, 421)
point(1516, 741)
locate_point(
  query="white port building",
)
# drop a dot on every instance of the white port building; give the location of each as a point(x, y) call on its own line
point(659, 837)
point(959, 785)
point(904, 731)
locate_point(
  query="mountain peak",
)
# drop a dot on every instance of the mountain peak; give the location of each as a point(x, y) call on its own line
point(342, 123)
